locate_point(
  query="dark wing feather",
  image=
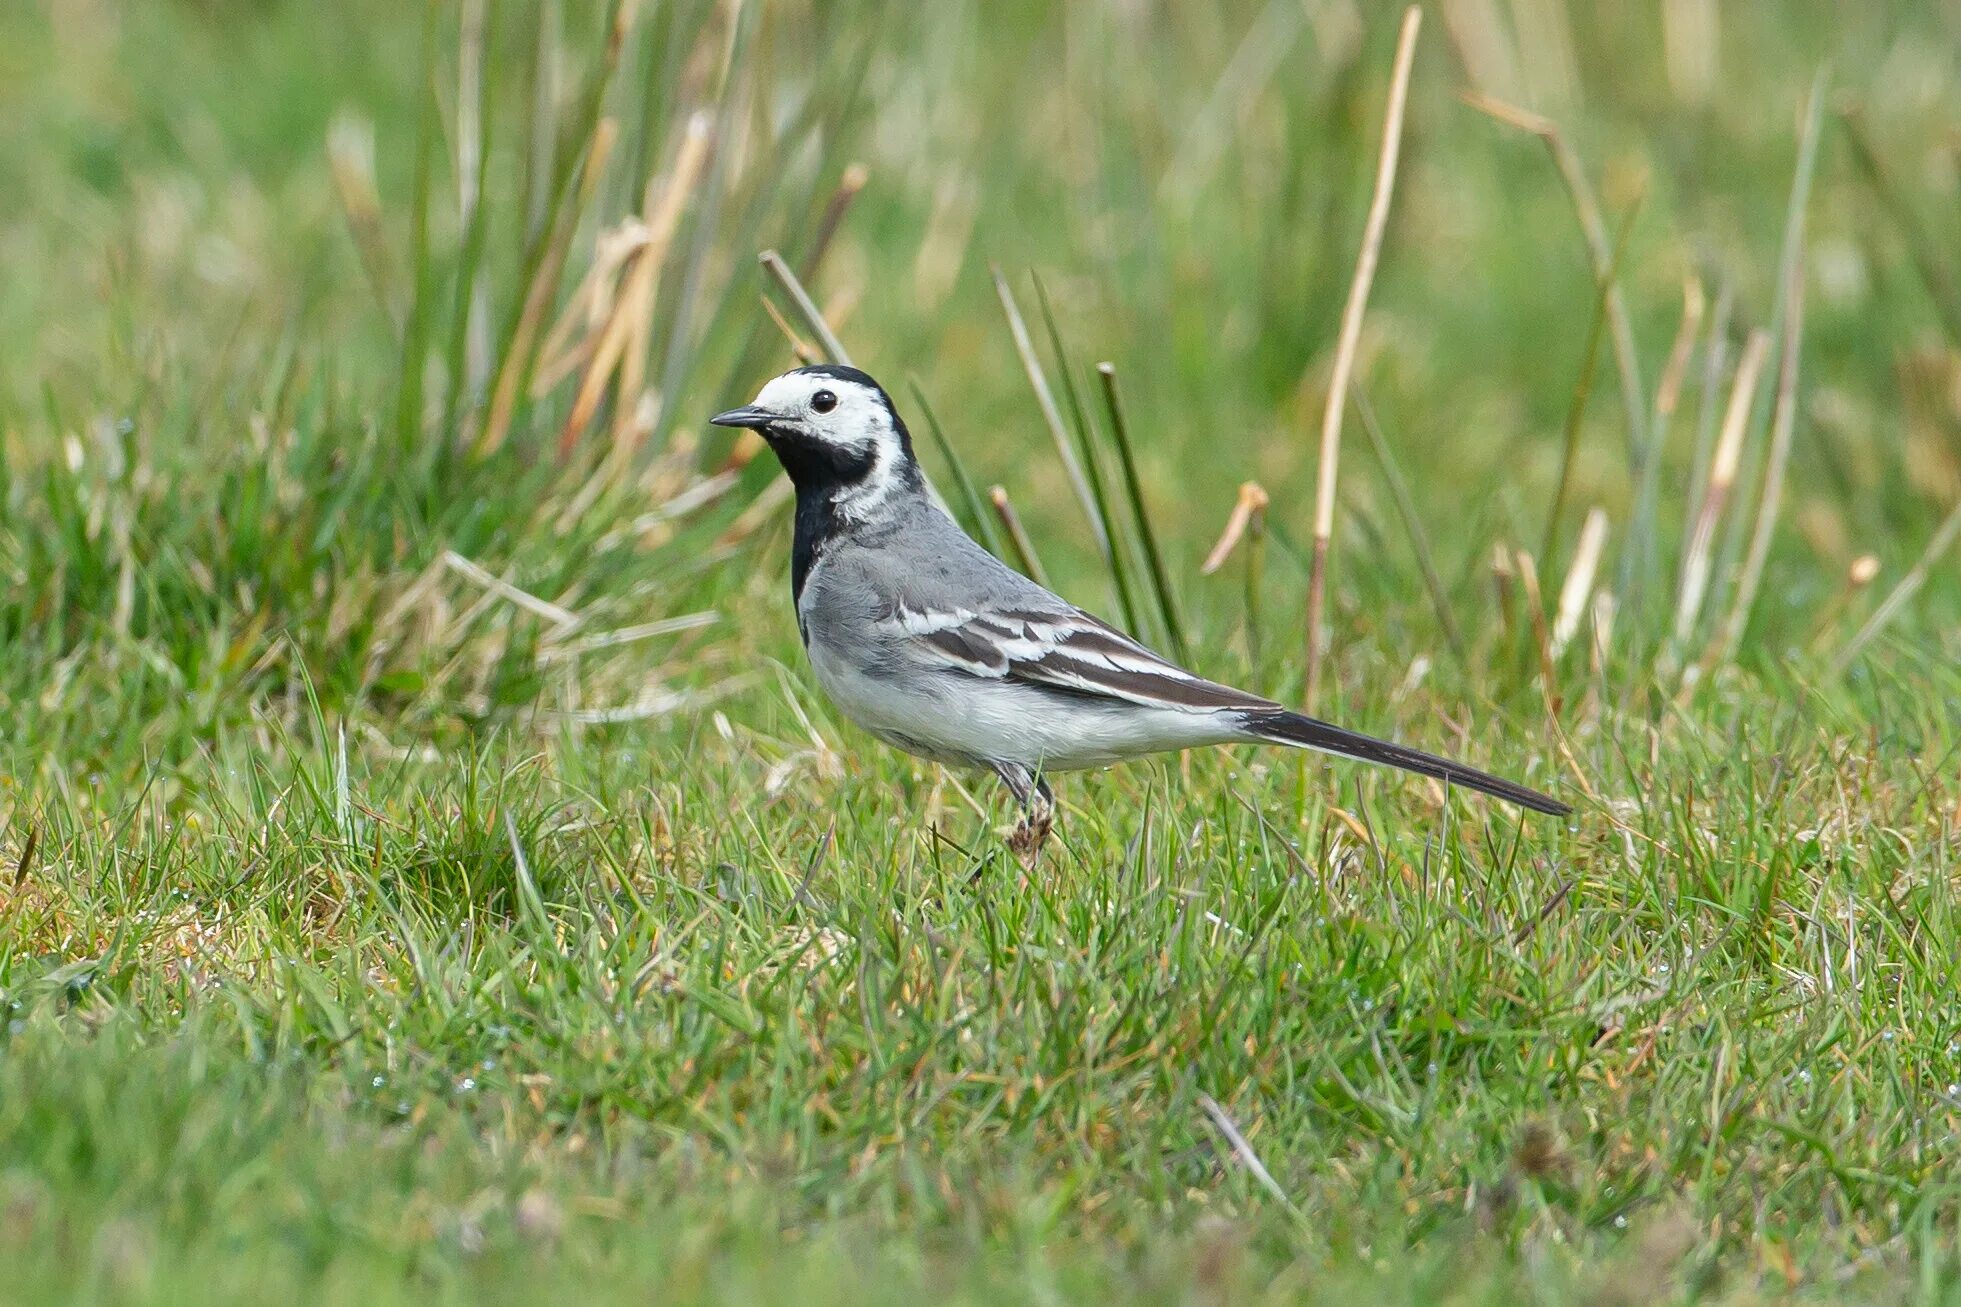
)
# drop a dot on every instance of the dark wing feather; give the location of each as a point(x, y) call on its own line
point(1071, 652)
point(1063, 650)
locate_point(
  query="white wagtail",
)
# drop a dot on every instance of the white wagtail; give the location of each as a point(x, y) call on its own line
point(933, 645)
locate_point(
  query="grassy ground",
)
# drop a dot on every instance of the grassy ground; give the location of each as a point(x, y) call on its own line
point(388, 911)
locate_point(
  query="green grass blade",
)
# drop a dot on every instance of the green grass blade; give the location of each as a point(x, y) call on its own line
point(415, 342)
point(1419, 538)
point(468, 305)
point(1108, 530)
point(1583, 387)
point(1174, 627)
point(1038, 381)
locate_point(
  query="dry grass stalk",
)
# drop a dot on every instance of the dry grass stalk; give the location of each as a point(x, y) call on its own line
point(806, 307)
point(1668, 393)
point(1943, 539)
point(563, 621)
point(1477, 31)
point(1637, 558)
point(1861, 573)
point(1247, 1157)
point(538, 295)
point(771, 499)
point(1722, 478)
point(1350, 338)
point(1604, 609)
point(569, 344)
point(1535, 609)
point(1546, 57)
point(1503, 574)
point(854, 179)
point(1782, 424)
point(800, 348)
point(470, 140)
point(622, 342)
point(628, 428)
point(1579, 580)
point(1715, 364)
point(351, 164)
point(1051, 415)
point(1248, 523)
point(1017, 534)
point(1253, 499)
point(1784, 420)
point(1690, 35)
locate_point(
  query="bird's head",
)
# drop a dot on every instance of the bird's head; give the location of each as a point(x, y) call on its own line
point(833, 428)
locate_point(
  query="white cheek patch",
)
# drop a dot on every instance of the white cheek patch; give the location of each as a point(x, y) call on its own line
point(865, 498)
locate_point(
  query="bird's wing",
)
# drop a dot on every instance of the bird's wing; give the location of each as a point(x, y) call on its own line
point(1061, 649)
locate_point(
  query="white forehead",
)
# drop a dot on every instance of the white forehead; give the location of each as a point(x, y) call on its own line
point(792, 392)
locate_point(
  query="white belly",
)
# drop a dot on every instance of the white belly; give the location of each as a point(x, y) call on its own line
point(976, 721)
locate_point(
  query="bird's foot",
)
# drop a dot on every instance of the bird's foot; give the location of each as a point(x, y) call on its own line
point(1031, 833)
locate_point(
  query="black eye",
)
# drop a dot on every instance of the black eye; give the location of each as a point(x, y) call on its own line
point(823, 402)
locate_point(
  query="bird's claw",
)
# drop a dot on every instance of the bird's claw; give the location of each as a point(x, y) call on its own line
point(1030, 833)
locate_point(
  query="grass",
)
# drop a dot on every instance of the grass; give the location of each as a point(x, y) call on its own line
point(427, 870)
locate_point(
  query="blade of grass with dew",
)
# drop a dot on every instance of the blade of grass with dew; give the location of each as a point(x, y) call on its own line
point(1108, 529)
point(975, 517)
point(1347, 343)
point(1583, 387)
point(1174, 627)
point(1419, 538)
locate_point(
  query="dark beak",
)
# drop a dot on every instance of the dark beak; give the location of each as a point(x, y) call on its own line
point(746, 416)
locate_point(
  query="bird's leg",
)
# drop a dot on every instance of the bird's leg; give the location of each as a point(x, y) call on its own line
point(1037, 803)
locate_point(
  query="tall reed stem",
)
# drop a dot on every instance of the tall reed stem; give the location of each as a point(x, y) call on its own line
point(1350, 339)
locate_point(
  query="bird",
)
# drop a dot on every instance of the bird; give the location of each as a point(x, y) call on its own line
point(936, 647)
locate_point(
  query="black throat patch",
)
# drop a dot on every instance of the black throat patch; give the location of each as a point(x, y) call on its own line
point(825, 473)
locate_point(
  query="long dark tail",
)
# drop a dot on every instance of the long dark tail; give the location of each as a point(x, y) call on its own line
point(1283, 727)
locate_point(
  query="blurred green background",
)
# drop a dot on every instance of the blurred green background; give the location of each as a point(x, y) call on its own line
point(426, 870)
